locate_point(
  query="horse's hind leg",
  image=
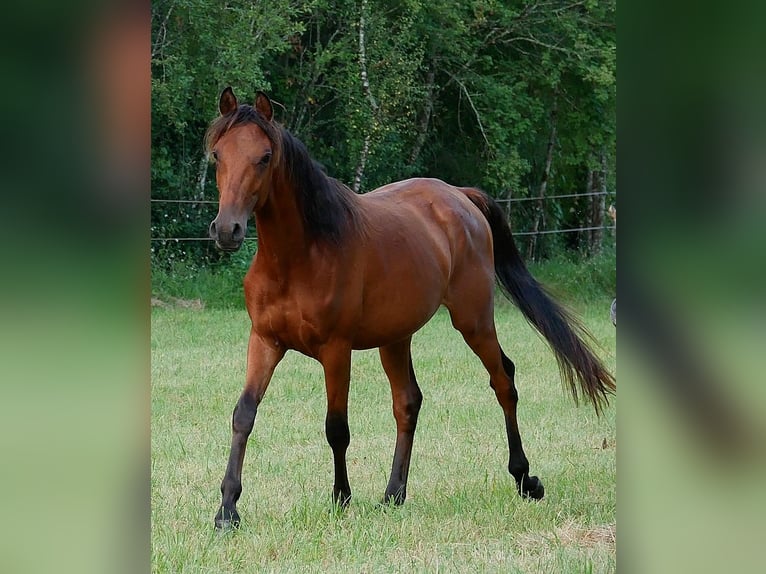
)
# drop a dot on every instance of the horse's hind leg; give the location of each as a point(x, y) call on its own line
point(478, 330)
point(406, 395)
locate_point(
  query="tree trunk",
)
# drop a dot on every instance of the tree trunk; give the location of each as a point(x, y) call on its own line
point(360, 166)
point(540, 210)
point(202, 175)
point(425, 118)
point(359, 173)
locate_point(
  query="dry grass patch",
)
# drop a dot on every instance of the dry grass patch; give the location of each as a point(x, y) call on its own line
point(178, 302)
point(572, 533)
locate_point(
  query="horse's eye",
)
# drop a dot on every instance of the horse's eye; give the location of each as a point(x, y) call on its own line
point(215, 155)
point(265, 159)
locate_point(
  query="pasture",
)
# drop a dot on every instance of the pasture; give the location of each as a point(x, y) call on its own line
point(462, 512)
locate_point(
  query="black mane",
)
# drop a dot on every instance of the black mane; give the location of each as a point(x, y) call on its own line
point(327, 204)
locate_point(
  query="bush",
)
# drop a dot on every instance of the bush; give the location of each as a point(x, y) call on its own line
point(217, 285)
point(575, 277)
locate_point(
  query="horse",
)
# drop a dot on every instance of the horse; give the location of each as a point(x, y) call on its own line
point(336, 271)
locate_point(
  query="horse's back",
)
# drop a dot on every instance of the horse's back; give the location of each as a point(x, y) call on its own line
point(431, 209)
point(416, 190)
point(438, 205)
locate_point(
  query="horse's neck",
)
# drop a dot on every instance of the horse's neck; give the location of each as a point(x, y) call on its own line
point(281, 232)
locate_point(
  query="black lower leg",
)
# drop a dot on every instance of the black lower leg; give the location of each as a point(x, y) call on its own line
point(338, 437)
point(518, 465)
point(242, 422)
point(396, 490)
point(406, 410)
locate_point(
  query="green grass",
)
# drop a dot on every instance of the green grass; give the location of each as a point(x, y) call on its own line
point(462, 513)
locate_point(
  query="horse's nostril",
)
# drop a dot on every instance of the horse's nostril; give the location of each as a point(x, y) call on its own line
point(238, 232)
point(211, 230)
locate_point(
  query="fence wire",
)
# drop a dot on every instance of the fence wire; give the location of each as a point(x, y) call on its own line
point(506, 201)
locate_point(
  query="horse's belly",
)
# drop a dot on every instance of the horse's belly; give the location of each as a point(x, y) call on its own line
point(383, 329)
point(395, 305)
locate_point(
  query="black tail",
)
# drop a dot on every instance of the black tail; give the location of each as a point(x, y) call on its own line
point(559, 327)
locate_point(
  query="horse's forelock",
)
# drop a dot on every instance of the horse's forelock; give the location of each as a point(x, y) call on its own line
point(244, 114)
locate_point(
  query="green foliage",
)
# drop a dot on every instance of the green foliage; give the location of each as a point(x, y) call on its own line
point(215, 284)
point(463, 91)
point(574, 277)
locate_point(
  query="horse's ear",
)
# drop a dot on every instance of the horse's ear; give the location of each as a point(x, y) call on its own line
point(228, 101)
point(263, 105)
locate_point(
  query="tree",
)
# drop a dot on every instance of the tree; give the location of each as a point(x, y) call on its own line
point(517, 97)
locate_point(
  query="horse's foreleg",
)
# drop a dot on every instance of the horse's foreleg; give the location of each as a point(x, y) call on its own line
point(262, 359)
point(407, 398)
point(336, 361)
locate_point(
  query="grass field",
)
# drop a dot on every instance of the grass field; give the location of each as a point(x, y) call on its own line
point(462, 513)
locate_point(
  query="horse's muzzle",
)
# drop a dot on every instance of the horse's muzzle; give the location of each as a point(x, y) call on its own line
point(227, 237)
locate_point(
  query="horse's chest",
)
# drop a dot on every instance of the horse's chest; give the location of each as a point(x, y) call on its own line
point(297, 319)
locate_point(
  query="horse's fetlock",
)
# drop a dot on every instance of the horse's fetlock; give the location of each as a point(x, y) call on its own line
point(518, 469)
point(231, 488)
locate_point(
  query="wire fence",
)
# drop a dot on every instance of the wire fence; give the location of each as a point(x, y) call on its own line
point(506, 201)
point(546, 197)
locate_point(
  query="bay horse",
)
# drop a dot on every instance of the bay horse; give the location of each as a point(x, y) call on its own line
point(336, 271)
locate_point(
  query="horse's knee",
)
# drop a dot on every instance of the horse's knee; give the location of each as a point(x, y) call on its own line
point(243, 418)
point(406, 411)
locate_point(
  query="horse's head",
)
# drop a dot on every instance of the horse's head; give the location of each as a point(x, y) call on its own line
point(242, 151)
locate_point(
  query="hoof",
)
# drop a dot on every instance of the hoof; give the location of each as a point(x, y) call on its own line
point(341, 499)
point(396, 498)
point(224, 526)
point(532, 487)
point(226, 520)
